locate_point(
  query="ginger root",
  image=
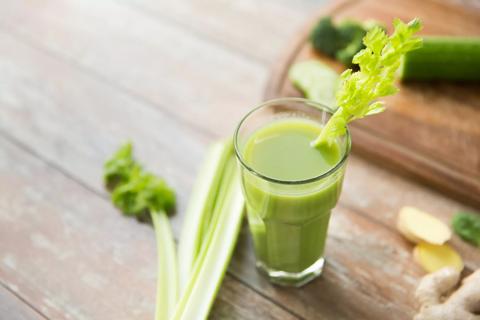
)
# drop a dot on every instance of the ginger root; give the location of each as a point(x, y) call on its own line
point(437, 302)
point(432, 257)
point(418, 226)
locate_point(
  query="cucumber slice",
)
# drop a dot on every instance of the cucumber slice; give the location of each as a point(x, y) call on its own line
point(316, 80)
point(443, 58)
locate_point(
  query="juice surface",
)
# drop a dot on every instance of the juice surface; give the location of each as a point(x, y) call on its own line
point(282, 151)
point(289, 221)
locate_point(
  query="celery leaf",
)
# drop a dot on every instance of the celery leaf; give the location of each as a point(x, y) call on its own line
point(378, 62)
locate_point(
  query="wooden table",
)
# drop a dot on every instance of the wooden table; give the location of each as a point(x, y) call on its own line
point(78, 77)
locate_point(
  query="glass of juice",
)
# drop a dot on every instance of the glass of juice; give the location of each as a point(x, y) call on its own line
point(289, 186)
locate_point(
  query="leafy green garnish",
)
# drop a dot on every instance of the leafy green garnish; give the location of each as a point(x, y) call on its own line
point(467, 226)
point(378, 63)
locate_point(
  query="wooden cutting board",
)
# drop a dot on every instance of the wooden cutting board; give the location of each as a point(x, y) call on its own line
point(430, 131)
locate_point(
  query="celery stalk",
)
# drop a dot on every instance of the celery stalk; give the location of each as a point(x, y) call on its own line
point(167, 280)
point(217, 248)
point(140, 194)
point(201, 206)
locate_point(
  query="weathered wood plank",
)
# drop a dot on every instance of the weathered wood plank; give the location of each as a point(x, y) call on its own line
point(474, 4)
point(69, 253)
point(12, 308)
point(236, 301)
point(42, 98)
point(380, 194)
point(257, 29)
point(80, 153)
point(193, 80)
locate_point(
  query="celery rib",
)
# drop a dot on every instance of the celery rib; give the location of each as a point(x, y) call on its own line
point(167, 278)
point(217, 248)
point(200, 209)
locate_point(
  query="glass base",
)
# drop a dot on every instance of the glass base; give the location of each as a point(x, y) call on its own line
point(292, 279)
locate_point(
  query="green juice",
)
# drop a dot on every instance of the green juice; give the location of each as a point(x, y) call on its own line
point(289, 207)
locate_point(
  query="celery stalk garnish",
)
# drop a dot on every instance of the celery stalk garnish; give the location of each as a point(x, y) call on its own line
point(143, 195)
point(358, 91)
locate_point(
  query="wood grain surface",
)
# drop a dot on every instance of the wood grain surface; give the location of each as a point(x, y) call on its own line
point(16, 308)
point(79, 77)
point(430, 130)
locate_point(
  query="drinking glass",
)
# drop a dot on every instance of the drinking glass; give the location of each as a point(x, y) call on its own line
point(288, 219)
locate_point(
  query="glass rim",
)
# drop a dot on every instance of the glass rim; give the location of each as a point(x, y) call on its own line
point(307, 102)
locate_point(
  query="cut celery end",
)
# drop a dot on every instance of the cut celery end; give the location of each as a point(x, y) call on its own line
point(201, 206)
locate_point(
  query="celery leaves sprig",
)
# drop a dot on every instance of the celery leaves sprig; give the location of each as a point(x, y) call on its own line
point(378, 62)
point(145, 196)
point(142, 194)
point(134, 191)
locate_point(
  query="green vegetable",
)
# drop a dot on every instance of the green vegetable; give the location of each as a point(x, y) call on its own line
point(212, 224)
point(325, 38)
point(117, 170)
point(217, 244)
point(142, 195)
point(378, 62)
point(467, 226)
point(200, 208)
point(316, 80)
point(341, 42)
point(351, 34)
point(444, 58)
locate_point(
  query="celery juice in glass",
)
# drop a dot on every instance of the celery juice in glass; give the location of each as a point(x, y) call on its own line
point(290, 187)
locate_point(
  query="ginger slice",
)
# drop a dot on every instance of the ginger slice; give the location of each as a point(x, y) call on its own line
point(433, 257)
point(419, 226)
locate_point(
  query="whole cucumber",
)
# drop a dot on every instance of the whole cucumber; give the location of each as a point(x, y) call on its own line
point(444, 58)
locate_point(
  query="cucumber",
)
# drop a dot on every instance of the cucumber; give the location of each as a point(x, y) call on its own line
point(443, 58)
point(316, 80)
